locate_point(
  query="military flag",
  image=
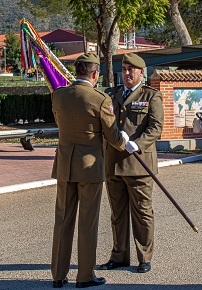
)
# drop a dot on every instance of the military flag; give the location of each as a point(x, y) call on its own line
point(32, 47)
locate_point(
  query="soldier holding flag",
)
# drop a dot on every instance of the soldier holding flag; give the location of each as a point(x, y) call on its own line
point(139, 112)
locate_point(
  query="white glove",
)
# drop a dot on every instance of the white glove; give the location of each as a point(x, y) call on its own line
point(125, 136)
point(131, 147)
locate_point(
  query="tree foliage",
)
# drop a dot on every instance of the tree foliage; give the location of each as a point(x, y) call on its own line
point(191, 14)
point(107, 16)
point(13, 50)
point(178, 23)
point(57, 52)
point(167, 34)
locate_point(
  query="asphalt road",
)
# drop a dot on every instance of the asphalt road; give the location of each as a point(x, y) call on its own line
point(26, 224)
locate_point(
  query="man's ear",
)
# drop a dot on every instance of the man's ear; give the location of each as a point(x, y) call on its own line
point(94, 74)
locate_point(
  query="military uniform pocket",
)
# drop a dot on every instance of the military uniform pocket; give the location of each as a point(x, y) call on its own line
point(138, 115)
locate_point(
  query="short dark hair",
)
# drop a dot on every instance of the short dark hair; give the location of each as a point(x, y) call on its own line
point(86, 68)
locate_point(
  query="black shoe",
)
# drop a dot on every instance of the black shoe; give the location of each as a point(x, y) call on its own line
point(144, 267)
point(113, 265)
point(59, 283)
point(94, 282)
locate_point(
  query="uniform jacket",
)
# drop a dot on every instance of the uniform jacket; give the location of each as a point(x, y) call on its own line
point(83, 114)
point(141, 117)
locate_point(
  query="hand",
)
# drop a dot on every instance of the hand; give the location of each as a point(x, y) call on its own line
point(131, 147)
point(125, 136)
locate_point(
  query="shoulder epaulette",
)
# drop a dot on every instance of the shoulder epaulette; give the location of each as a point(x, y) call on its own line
point(100, 91)
point(148, 87)
point(113, 90)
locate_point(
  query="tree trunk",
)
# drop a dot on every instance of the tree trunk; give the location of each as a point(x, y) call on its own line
point(108, 39)
point(179, 24)
point(84, 44)
point(112, 41)
point(109, 77)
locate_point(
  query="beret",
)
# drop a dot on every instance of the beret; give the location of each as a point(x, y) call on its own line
point(134, 60)
point(88, 57)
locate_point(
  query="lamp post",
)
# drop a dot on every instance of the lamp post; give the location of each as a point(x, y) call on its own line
point(4, 58)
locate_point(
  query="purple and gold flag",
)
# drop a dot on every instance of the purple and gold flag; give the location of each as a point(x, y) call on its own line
point(55, 73)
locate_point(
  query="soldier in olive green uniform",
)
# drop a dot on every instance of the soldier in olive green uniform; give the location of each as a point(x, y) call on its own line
point(140, 115)
point(83, 115)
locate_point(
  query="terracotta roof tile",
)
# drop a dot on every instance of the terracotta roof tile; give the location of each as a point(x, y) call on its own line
point(70, 57)
point(177, 75)
point(62, 35)
point(3, 36)
point(135, 50)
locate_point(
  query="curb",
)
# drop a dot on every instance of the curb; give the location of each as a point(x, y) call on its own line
point(42, 183)
point(180, 161)
point(27, 185)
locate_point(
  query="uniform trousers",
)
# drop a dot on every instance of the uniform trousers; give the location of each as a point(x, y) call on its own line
point(131, 195)
point(70, 196)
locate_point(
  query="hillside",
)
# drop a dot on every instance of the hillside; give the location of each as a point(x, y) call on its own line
point(10, 12)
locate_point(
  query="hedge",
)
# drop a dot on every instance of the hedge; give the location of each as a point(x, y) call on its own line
point(30, 107)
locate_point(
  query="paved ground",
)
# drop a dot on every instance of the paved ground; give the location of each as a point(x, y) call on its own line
point(20, 166)
point(26, 223)
point(27, 217)
point(22, 169)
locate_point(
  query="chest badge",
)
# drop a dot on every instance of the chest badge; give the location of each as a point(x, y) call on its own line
point(139, 105)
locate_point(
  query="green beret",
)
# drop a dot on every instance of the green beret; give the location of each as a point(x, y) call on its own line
point(134, 59)
point(88, 57)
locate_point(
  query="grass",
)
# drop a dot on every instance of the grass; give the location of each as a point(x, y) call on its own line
point(34, 141)
point(45, 141)
point(185, 151)
point(18, 81)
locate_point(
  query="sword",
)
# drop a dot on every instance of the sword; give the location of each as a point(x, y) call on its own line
point(166, 192)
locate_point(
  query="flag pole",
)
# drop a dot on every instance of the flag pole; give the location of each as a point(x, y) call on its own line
point(166, 192)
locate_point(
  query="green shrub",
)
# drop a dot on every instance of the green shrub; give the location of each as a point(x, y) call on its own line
point(26, 108)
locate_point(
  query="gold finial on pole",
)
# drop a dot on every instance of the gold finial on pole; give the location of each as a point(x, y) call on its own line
point(195, 229)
